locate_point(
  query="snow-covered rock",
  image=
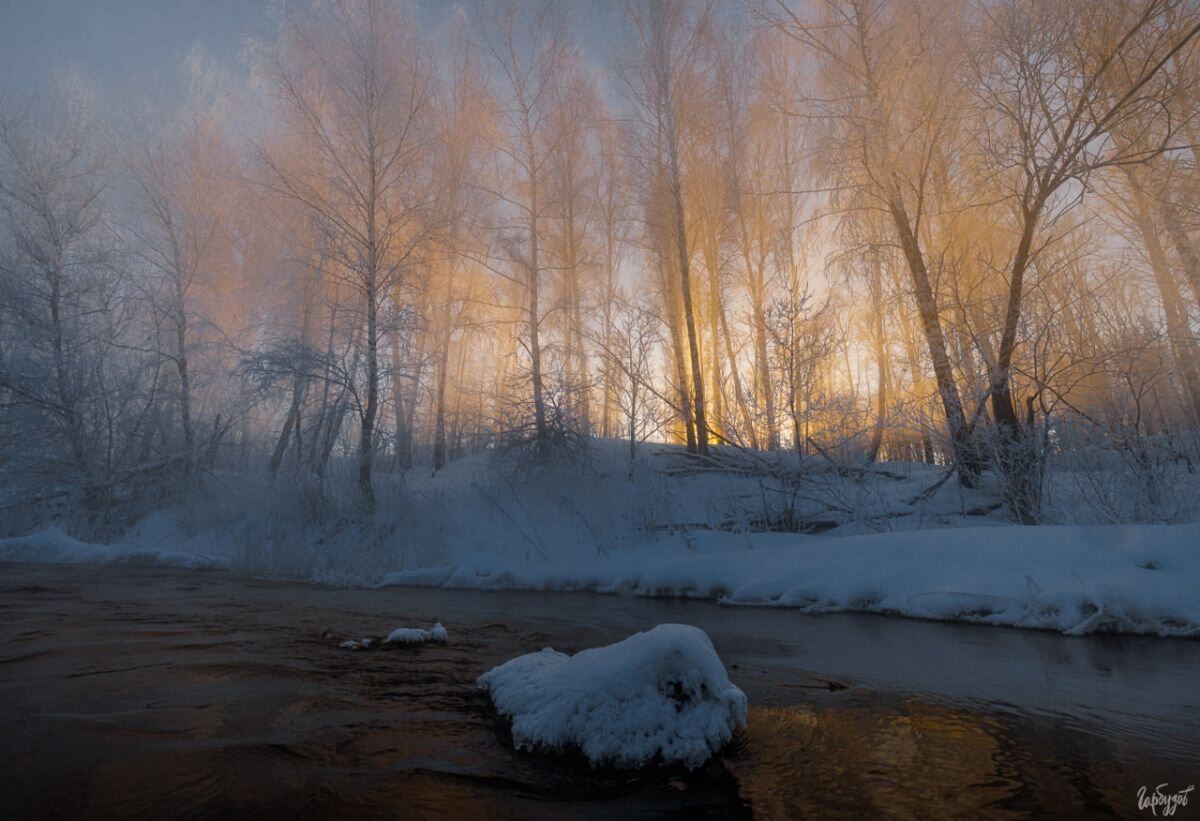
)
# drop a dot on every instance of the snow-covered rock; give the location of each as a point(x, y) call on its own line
point(662, 693)
point(417, 635)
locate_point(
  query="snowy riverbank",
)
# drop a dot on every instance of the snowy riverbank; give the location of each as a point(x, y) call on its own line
point(1077, 580)
point(1129, 579)
point(674, 530)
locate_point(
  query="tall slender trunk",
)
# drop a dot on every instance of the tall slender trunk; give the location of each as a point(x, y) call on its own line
point(290, 425)
point(718, 410)
point(610, 373)
point(403, 406)
point(576, 332)
point(404, 456)
point(677, 349)
point(961, 438)
point(181, 367)
point(914, 365)
point(757, 287)
point(68, 407)
point(366, 442)
point(1184, 247)
point(326, 388)
point(439, 401)
point(535, 346)
point(1182, 341)
point(535, 350)
point(739, 394)
point(763, 371)
point(668, 129)
point(881, 362)
point(689, 315)
point(721, 326)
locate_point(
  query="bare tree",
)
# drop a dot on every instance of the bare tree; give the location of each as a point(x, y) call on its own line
point(1057, 82)
point(529, 45)
point(665, 89)
point(351, 80)
point(891, 113)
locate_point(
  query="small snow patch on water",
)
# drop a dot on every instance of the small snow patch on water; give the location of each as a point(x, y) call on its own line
point(417, 635)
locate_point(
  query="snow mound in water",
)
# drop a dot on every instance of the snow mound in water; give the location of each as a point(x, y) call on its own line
point(659, 693)
point(417, 635)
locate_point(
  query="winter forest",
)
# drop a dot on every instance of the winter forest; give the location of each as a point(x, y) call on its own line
point(932, 232)
point(800, 243)
point(347, 372)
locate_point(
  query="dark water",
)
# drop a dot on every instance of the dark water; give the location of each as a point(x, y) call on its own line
point(161, 693)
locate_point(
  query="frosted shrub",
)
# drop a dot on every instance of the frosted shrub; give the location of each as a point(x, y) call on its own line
point(1127, 477)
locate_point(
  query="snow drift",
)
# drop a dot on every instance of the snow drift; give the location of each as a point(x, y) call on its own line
point(662, 694)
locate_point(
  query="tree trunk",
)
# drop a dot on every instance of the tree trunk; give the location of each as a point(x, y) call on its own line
point(290, 424)
point(685, 288)
point(881, 364)
point(671, 296)
point(1184, 247)
point(366, 442)
point(576, 332)
point(535, 347)
point(1182, 341)
point(718, 408)
point(185, 383)
point(439, 400)
point(961, 438)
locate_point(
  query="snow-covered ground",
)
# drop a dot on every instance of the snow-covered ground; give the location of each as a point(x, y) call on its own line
point(662, 694)
point(876, 542)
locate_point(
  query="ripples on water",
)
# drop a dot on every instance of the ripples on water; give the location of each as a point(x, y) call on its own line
point(157, 693)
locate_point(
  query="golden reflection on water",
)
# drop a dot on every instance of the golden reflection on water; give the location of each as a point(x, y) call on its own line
point(911, 760)
point(216, 706)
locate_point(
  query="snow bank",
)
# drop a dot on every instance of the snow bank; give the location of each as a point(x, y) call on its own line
point(1074, 579)
point(53, 546)
point(474, 526)
point(663, 693)
point(416, 635)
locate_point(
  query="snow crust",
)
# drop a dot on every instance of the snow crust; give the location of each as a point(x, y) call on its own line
point(662, 694)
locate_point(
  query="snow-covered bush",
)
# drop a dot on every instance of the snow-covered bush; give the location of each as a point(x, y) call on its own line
point(662, 694)
point(1124, 475)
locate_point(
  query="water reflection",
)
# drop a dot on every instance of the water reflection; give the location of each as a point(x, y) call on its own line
point(230, 698)
point(920, 760)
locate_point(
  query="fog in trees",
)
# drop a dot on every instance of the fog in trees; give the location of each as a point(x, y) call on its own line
point(851, 230)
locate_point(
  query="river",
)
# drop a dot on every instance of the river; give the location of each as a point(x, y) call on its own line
point(153, 692)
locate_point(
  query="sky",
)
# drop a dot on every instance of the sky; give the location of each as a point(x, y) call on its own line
point(118, 44)
point(122, 46)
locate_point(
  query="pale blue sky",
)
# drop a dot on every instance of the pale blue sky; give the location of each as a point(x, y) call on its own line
point(134, 45)
point(118, 43)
